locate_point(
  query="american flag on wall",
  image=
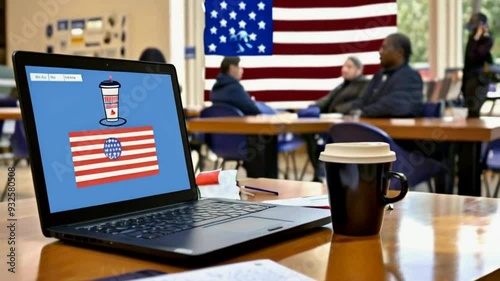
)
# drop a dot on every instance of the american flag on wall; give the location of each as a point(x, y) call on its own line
point(294, 49)
point(106, 156)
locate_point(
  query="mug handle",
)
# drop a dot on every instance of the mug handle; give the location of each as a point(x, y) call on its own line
point(404, 187)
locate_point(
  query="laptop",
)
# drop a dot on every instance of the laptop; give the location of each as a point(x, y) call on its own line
point(112, 167)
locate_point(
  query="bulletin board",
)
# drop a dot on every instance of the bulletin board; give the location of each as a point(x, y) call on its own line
point(99, 36)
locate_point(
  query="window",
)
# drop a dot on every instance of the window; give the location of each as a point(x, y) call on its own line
point(413, 21)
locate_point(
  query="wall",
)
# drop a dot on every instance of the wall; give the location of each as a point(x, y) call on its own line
point(148, 25)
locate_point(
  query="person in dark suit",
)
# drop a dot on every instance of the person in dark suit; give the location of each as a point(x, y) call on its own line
point(477, 53)
point(338, 100)
point(228, 89)
point(342, 97)
point(397, 89)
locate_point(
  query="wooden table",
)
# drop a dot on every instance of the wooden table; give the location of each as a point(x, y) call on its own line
point(10, 113)
point(425, 237)
point(469, 133)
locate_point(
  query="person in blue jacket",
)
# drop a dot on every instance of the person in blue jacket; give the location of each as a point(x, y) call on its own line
point(228, 89)
point(397, 89)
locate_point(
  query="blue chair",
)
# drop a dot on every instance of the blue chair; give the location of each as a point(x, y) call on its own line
point(491, 161)
point(433, 109)
point(229, 147)
point(417, 168)
point(19, 148)
point(313, 111)
point(287, 143)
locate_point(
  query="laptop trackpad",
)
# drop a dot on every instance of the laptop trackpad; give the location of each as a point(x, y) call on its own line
point(249, 224)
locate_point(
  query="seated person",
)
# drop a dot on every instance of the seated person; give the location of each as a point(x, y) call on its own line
point(339, 100)
point(228, 89)
point(397, 89)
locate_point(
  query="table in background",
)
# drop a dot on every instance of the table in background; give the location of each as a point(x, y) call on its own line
point(10, 113)
point(425, 237)
point(469, 132)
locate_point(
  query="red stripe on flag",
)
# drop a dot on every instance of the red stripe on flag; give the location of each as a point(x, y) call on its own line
point(101, 150)
point(305, 95)
point(327, 49)
point(116, 178)
point(113, 168)
point(292, 72)
point(110, 131)
point(334, 25)
point(101, 141)
point(103, 159)
point(326, 3)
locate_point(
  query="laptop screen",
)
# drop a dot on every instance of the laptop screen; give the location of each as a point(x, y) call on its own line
point(106, 136)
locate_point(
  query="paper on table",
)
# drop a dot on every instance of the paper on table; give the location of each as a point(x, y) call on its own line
point(258, 270)
point(320, 201)
point(218, 184)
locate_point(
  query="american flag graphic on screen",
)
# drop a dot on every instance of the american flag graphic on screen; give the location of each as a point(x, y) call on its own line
point(293, 49)
point(106, 156)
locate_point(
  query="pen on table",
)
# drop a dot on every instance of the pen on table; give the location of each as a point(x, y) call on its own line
point(262, 190)
point(245, 192)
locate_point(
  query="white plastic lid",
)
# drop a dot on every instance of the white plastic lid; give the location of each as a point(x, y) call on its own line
point(358, 153)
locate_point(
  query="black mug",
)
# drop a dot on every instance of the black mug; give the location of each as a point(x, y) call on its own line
point(358, 176)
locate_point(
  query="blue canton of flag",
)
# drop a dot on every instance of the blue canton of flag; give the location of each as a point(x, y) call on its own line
point(236, 28)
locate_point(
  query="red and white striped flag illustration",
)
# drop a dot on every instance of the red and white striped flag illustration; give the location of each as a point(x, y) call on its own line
point(106, 156)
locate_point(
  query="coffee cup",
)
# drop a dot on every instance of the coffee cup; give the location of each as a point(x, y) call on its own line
point(357, 176)
point(110, 90)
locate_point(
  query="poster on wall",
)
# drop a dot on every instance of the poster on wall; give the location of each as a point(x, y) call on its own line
point(99, 36)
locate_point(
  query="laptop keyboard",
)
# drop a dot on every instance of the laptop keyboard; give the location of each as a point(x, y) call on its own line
point(157, 224)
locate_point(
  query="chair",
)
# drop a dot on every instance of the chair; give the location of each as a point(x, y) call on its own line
point(288, 143)
point(229, 147)
point(434, 110)
point(418, 169)
point(491, 161)
point(19, 147)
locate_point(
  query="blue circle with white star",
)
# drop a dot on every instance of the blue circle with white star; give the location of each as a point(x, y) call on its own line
point(112, 148)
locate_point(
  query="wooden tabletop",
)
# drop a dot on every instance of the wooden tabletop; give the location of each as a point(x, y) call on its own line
point(444, 129)
point(10, 113)
point(425, 237)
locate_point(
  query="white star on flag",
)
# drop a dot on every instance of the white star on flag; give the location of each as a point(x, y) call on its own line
point(242, 5)
point(223, 5)
point(242, 24)
point(213, 30)
point(252, 15)
point(223, 23)
point(214, 14)
point(262, 25)
point(260, 5)
point(262, 48)
point(232, 31)
point(212, 47)
point(232, 15)
point(252, 36)
point(222, 39)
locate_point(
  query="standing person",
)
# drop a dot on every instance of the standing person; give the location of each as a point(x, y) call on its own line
point(477, 53)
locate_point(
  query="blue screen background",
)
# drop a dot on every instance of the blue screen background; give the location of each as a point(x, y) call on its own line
point(62, 107)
